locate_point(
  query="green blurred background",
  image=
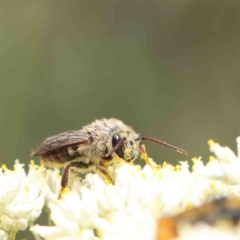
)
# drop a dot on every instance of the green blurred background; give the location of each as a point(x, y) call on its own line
point(168, 68)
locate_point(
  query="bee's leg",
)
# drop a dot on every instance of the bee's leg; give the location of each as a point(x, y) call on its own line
point(101, 168)
point(64, 181)
point(148, 160)
point(66, 171)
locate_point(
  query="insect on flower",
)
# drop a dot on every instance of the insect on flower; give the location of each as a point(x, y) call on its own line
point(94, 147)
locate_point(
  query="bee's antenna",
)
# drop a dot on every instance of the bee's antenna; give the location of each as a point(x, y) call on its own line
point(165, 144)
point(120, 143)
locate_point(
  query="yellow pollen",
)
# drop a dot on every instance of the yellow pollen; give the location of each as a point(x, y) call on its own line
point(178, 167)
point(4, 167)
point(15, 168)
point(98, 233)
point(194, 159)
point(107, 182)
point(189, 205)
point(211, 158)
point(210, 142)
point(164, 165)
point(26, 188)
point(156, 168)
point(212, 186)
point(65, 190)
point(42, 164)
point(127, 152)
point(143, 146)
point(32, 163)
point(144, 156)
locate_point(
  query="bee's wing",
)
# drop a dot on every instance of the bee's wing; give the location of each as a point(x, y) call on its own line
point(66, 139)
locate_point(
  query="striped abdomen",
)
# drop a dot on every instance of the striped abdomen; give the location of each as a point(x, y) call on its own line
point(61, 155)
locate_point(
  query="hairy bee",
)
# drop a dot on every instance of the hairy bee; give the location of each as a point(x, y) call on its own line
point(94, 147)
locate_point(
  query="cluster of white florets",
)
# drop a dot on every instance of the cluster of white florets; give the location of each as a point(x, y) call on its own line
point(93, 209)
point(21, 200)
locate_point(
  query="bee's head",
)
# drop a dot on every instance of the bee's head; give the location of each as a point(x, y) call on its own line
point(125, 145)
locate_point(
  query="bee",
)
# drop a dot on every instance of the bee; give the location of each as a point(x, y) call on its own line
point(94, 147)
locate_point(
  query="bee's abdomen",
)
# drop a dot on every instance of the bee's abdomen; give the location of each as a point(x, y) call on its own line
point(61, 155)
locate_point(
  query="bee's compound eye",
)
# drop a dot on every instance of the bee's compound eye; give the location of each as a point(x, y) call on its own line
point(115, 139)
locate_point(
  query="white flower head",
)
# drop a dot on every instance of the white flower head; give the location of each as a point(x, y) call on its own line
point(93, 209)
point(21, 201)
point(226, 166)
point(129, 209)
point(94, 205)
